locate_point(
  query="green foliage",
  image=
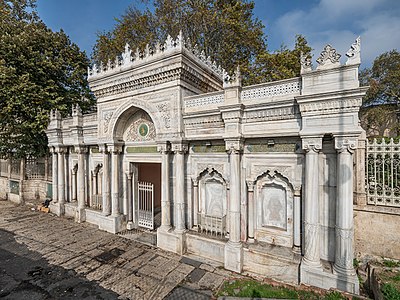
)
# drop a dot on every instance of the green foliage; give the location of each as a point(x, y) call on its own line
point(383, 79)
point(389, 292)
point(281, 64)
point(391, 263)
point(40, 70)
point(334, 296)
point(226, 30)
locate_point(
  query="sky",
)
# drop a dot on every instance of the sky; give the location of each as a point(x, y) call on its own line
point(335, 22)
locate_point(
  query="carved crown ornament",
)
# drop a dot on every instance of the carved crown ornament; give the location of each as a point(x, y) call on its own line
point(154, 51)
point(329, 58)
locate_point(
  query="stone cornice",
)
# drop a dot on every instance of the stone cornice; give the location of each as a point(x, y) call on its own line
point(330, 103)
point(131, 82)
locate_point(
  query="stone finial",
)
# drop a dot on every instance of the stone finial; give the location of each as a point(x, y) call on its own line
point(353, 54)
point(305, 62)
point(232, 80)
point(76, 110)
point(169, 43)
point(126, 55)
point(55, 114)
point(328, 59)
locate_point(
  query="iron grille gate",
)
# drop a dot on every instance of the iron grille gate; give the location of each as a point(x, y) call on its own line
point(383, 172)
point(146, 205)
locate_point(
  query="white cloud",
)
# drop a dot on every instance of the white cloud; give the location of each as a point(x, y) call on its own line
point(339, 22)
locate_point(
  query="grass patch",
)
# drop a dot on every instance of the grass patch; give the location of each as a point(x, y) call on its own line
point(390, 292)
point(255, 289)
point(390, 263)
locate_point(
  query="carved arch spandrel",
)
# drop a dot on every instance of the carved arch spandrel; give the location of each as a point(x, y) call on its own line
point(149, 108)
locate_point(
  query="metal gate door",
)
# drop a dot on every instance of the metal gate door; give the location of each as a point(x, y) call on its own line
point(146, 205)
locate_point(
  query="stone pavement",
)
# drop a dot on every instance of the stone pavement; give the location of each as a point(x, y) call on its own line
point(117, 268)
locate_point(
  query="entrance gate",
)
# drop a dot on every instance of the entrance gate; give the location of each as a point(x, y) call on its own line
point(146, 205)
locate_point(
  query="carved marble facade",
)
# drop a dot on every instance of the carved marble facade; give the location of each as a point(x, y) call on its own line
point(257, 178)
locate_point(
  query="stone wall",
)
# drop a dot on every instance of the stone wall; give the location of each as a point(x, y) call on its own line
point(3, 188)
point(377, 231)
point(35, 190)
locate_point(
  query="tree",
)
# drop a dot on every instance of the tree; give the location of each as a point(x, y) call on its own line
point(383, 96)
point(40, 70)
point(383, 79)
point(281, 64)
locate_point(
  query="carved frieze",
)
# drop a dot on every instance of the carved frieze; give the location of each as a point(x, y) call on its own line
point(265, 148)
point(272, 114)
point(331, 106)
point(204, 100)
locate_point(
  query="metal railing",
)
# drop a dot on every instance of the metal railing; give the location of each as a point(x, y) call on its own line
point(96, 201)
point(383, 172)
point(211, 225)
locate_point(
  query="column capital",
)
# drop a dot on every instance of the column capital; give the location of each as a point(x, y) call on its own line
point(103, 148)
point(234, 145)
point(60, 149)
point(195, 181)
point(345, 143)
point(250, 185)
point(116, 149)
point(297, 190)
point(80, 149)
point(164, 147)
point(181, 148)
point(312, 143)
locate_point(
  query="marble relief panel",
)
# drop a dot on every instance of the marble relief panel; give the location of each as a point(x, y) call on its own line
point(273, 199)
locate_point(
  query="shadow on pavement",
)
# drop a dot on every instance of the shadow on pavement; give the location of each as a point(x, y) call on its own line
point(24, 274)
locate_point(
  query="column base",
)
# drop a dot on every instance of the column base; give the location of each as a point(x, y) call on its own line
point(172, 241)
point(342, 271)
point(57, 208)
point(130, 225)
point(233, 258)
point(80, 215)
point(297, 249)
point(325, 279)
point(113, 224)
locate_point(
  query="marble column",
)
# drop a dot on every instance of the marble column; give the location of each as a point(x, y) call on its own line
point(106, 181)
point(296, 220)
point(80, 216)
point(61, 175)
point(129, 197)
point(311, 256)
point(195, 202)
point(165, 193)
point(73, 183)
point(233, 253)
point(344, 207)
point(54, 174)
point(251, 214)
point(180, 190)
point(234, 213)
point(115, 207)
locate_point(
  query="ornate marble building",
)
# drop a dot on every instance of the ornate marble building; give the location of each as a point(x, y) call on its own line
point(258, 178)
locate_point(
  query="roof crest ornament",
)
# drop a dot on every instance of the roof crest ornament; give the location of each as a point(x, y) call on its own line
point(128, 57)
point(305, 63)
point(353, 53)
point(328, 59)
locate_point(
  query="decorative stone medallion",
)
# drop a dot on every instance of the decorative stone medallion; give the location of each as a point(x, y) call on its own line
point(143, 129)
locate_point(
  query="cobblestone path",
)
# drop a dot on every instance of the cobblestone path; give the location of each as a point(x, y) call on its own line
point(60, 258)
